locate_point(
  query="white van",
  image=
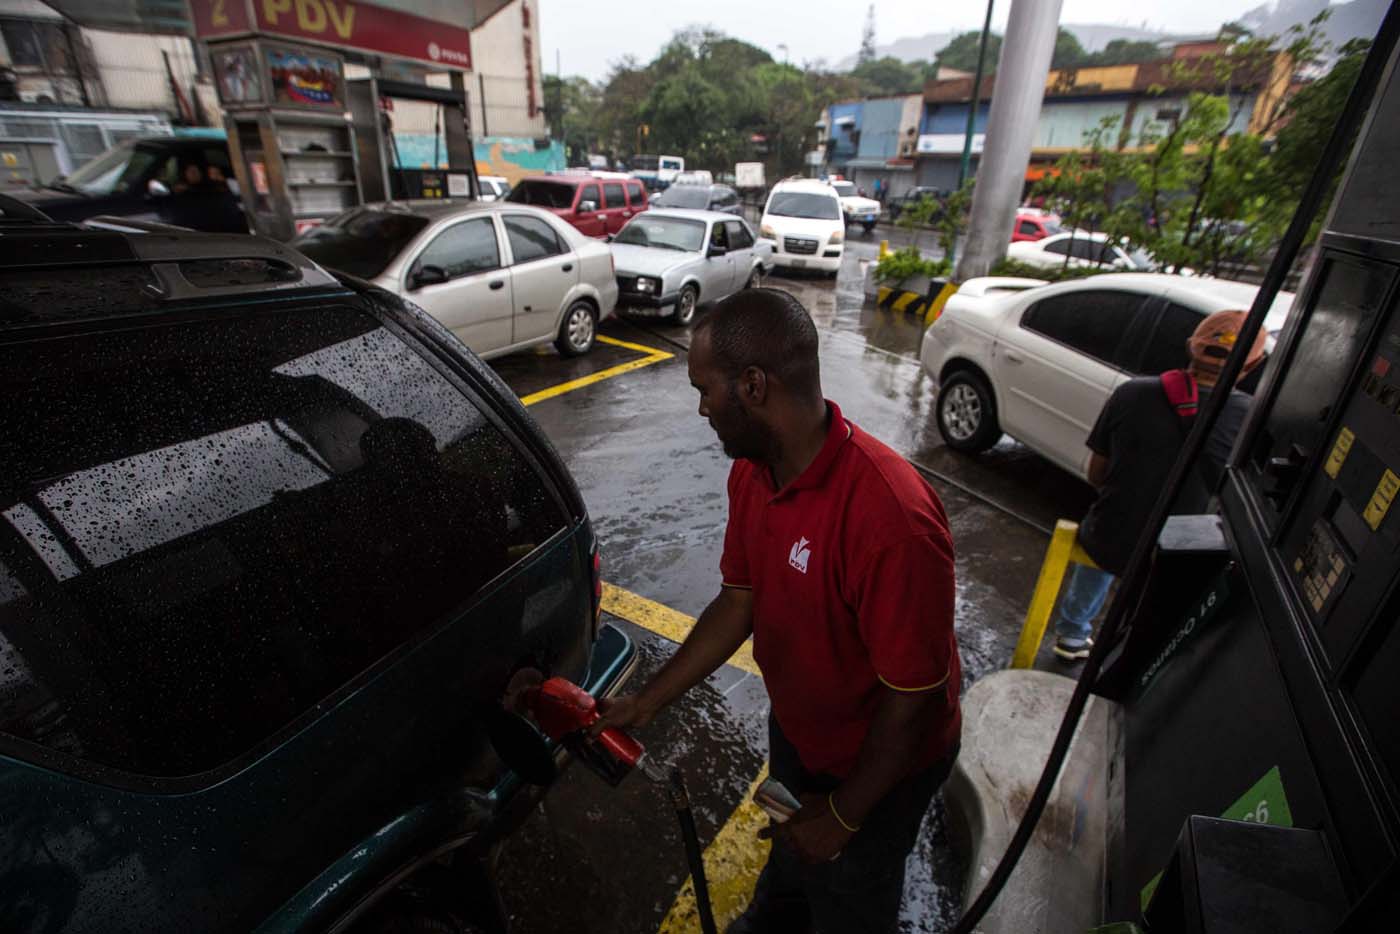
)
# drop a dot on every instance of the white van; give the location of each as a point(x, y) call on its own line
point(804, 222)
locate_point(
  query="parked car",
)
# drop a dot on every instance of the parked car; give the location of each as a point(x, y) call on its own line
point(803, 222)
point(913, 196)
point(700, 198)
point(596, 206)
point(1035, 225)
point(500, 276)
point(275, 544)
point(1039, 362)
point(669, 261)
point(694, 177)
point(1082, 248)
point(493, 187)
point(183, 181)
point(857, 208)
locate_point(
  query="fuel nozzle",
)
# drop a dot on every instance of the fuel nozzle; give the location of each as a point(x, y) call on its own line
point(566, 712)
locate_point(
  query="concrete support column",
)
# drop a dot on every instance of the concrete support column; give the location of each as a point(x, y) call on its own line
point(1020, 85)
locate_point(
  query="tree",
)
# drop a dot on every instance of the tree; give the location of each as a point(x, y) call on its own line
point(571, 108)
point(886, 76)
point(961, 52)
point(867, 38)
point(1125, 52)
point(1068, 52)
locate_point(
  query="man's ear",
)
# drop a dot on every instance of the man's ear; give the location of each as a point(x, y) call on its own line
point(753, 386)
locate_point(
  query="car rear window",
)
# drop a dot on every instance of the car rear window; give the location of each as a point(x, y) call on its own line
point(542, 194)
point(360, 242)
point(685, 196)
point(636, 193)
point(208, 528)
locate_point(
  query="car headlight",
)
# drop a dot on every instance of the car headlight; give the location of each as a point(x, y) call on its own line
point(837, 237)
point(648, 285)
point(766, 232)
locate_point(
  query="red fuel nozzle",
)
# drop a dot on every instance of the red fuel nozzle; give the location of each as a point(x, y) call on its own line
point(565, 712)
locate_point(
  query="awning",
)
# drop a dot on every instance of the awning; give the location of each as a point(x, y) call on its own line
point(845, 121)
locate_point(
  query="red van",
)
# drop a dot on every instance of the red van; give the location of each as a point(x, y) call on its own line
point(596, 205)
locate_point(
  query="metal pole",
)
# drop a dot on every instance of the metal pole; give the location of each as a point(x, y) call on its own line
point(1001, 173)
point(481, 92)
point(976, 97)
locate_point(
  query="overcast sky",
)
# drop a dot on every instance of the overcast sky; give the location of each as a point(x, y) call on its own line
point(589, 37)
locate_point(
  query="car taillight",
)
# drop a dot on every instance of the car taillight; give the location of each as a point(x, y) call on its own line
point(597, 589)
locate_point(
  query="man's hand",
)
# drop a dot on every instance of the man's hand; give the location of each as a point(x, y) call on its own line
point(625, 711)
point(813, 832)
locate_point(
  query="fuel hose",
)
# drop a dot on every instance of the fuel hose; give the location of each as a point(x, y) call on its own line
point(680, 800)
point(1133, 579)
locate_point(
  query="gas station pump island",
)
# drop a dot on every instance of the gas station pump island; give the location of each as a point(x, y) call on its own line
point(309, 140)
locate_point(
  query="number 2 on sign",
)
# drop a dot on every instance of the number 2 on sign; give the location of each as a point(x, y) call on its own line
point(219, 16)
point(1260, 814)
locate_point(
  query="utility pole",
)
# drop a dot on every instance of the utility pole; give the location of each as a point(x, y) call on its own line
point(975, 104)
point(1001, 174)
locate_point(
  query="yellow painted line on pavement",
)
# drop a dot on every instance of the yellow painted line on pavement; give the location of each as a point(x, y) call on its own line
point(652, 356)
point(665, 622)
point(736, 856)
point(733, 861)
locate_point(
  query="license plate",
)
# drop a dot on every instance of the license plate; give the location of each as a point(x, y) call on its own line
point(799, 262)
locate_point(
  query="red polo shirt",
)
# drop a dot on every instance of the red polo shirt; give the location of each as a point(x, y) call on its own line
point(851, 565)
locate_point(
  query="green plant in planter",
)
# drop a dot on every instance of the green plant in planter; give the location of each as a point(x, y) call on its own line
point(907, 262)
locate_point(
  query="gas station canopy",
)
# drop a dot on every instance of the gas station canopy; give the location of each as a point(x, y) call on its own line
point(432, 31)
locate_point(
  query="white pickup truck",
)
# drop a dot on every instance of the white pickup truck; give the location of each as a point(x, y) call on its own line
point(855, 208)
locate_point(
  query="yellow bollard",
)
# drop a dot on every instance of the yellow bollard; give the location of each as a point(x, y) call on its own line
point(884, 249)
point(1063, 549)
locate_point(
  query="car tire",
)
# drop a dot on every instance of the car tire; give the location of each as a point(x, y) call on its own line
point(755, 279)
point(578, 330)
point(685, 305)
point(867, 228)
point(832, 273)
point(966, 413)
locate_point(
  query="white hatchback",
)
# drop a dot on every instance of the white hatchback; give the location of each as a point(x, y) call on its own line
point(1077, 248)
point(1039, 361)
point(501, 276)
point(804, 223)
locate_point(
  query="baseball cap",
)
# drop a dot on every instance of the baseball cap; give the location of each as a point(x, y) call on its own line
point(1215, 338)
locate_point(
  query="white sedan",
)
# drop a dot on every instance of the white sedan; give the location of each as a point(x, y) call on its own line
point(1081, 249)
point(1039, 361)
point(499, 275)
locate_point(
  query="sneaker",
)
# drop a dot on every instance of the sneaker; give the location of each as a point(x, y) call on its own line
point(1073, 650)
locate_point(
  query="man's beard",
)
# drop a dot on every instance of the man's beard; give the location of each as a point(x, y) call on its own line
point(747, 438)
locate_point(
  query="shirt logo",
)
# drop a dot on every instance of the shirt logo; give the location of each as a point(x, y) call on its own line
point(800, 554)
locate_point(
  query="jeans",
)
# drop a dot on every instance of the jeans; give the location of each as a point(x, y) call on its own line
point(1081, 601)
point(860, 891)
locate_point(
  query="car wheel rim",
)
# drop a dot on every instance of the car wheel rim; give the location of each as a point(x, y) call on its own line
point(687, 307)
point(755, 280)
point(580, 328)
point(962, 412)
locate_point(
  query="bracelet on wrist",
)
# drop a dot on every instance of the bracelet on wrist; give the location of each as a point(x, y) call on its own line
point(831, 802)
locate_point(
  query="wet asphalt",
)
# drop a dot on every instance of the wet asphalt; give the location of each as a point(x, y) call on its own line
point(598, 860)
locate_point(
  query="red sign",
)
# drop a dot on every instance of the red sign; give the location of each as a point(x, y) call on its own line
point(342, 24)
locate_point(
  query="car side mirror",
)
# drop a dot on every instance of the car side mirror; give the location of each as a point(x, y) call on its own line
point(609, 238)
point(716, 250)
point(587, 207)
point(429, 275)
point(157, 188)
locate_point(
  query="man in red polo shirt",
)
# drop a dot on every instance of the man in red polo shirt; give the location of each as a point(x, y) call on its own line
point(838, 561)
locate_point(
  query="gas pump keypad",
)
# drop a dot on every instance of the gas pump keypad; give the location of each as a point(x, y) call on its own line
point(1323, 568)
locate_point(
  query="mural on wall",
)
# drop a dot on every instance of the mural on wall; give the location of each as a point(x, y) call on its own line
point(509, 157)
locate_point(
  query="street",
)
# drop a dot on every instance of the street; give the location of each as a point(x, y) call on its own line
point(597, 859)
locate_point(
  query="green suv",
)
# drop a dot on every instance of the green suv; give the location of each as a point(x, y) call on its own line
point(273, 543)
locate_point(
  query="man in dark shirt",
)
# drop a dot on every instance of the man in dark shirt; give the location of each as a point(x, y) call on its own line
point(1134, 442)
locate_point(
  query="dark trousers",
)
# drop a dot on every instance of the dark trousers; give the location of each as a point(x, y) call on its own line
point(857, 893)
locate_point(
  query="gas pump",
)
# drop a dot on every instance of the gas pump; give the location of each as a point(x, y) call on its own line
point(1267, 693)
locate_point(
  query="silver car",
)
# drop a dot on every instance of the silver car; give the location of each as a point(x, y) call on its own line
point(500, 276)
point(668, 262)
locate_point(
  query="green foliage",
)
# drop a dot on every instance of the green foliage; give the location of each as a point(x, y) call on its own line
point(906, 263)
point(887, 76)
point(1125, 52)
point(1020, 270)
point(1205, 191)
point(961, 52)
point(867, 39)
point(1068, 52)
